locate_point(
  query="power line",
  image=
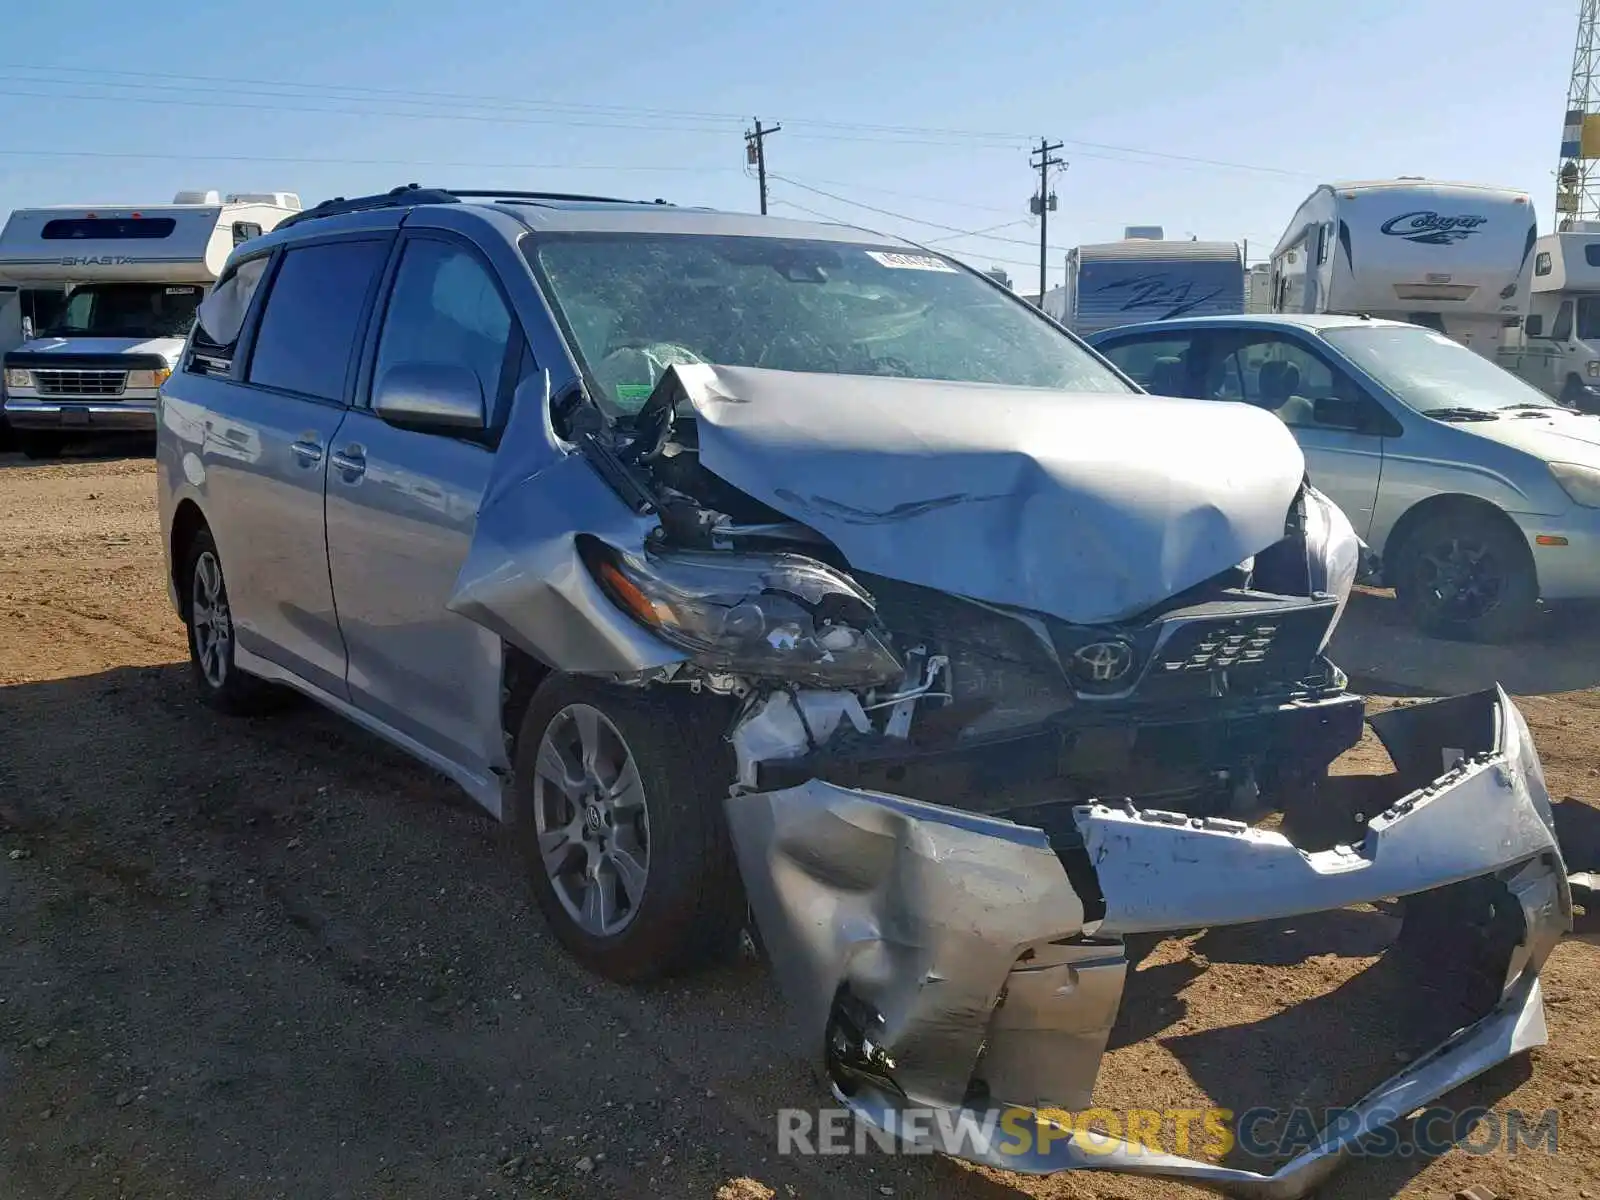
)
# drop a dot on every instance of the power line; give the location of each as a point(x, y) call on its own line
point(976, 233)
point(621, 117)
point(882, 191)
point(362, 162)
point(837, 220)
point(884, 212)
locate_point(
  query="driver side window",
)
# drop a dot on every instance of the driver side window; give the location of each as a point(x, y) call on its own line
point(446, 308)
point(1284, 377)
point(1562, 330)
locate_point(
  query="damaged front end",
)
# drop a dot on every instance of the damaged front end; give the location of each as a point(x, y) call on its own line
point(972, 965)
point(997, 696)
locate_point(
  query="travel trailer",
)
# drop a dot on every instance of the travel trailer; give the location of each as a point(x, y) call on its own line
point(132, 277)
point(1145, 277)
point(1558, 346)
point(1455, 257)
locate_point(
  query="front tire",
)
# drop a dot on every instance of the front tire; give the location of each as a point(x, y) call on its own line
point(620, 819)
point(1467, 576)
point(211, 638)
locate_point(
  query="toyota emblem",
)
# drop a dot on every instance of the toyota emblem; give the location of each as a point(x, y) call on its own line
point(1103, 662)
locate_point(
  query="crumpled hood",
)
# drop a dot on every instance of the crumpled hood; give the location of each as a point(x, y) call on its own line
point(167, 348)
point(1562, 436)
point(1088, 507)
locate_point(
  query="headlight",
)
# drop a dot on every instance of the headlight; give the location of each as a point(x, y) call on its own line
point(775, 615)
point(17, 378)
point(1581, 483)
point(1334, 553)
point(149, 379)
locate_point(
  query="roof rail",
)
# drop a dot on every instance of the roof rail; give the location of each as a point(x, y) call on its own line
point(503, 195)
point(400, 197)
point(411, 194)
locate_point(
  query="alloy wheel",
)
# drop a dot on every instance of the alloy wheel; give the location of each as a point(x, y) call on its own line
point(210, 620)
point(591, 819)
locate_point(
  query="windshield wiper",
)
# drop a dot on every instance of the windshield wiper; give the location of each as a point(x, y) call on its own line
point(1531, 408)
point(1462, 414)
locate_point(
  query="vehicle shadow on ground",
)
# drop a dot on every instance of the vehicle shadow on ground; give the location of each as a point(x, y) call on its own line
point(1384, 655)
point(324, 963)
point(1396, 1005)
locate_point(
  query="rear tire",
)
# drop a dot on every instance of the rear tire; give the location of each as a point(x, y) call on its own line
point(1467, 576)
point(211, 637)
point(632, 867)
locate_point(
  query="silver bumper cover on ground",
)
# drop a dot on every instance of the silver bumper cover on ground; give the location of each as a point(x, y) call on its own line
point(926, 949)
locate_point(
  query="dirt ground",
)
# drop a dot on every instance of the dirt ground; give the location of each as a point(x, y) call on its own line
point(275, 958)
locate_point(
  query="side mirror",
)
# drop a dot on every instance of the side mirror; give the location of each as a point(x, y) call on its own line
point(1336, 413)
point(1533, 326)
point(430, 398)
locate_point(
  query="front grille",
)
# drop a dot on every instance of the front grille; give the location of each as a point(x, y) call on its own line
point(1256, 642)
point(1262, 648)
point(79, 383)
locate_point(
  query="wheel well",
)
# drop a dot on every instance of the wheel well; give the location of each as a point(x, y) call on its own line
point(521, 675)
point(186, 522)
point(1411, 520)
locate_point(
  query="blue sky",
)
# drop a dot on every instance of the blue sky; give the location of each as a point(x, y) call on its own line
point(1211, 117)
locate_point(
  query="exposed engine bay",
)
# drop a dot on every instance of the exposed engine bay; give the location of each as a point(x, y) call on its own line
point(1213, 701)
point(1002, 689)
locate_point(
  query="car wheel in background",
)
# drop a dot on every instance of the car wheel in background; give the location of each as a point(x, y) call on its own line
point(211, 638)
point(619, 812)
point(1468, 576)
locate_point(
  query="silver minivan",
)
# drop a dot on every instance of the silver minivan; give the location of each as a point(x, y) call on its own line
point(785, 577)
point(1478, 494)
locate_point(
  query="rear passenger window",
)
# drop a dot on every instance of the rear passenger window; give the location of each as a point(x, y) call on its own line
point(220, 317)
point(308, 329)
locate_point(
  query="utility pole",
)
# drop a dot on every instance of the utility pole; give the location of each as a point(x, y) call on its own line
point(755, 152)
point(1045, 202)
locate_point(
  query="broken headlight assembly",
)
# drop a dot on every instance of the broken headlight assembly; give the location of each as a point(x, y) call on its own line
point(1333, 553)
point(777, 616)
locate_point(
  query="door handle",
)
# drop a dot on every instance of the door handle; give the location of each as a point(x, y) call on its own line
point(351, 460)
point(308, 452)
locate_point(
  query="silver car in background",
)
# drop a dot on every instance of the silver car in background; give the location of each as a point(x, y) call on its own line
point(757, 568)
point(1478, 494)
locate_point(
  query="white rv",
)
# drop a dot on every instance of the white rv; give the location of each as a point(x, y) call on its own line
point(1558, 346)
point(1144, 277)
point(1452, 256)
point(132, 277)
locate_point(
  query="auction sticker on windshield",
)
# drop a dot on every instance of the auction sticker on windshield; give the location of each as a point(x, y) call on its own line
point(910, 262)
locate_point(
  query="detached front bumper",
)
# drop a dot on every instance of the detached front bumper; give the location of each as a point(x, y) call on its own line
point(972, 966)
point(67, 415)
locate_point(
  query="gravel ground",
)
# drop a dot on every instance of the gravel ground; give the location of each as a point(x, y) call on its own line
point(275, 958)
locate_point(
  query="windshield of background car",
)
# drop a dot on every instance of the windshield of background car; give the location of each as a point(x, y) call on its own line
point(635, 304)
point(136, 310)
point(1427, 370)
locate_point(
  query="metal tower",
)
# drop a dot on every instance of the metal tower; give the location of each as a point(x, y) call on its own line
point(1578, 176)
